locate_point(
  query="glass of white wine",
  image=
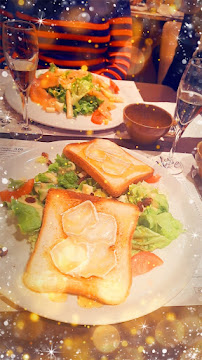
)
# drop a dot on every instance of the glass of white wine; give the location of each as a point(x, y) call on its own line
point(20, 46)
point(188, 106)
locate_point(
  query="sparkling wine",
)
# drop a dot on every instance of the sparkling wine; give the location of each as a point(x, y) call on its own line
point(23, 72)
point(189, 105)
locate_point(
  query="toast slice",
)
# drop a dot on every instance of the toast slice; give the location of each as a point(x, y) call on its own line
point(99, 227)
point(107, 163)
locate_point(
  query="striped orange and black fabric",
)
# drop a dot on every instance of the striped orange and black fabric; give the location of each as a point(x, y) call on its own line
point(95, 33)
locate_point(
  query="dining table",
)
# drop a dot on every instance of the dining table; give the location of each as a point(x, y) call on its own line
point(172, 329)
point(161, 12)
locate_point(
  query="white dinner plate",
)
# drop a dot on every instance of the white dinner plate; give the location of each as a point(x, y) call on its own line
point(148, 292)
point(81, 123)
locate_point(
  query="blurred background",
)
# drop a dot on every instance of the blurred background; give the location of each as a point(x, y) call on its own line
point(166, 33)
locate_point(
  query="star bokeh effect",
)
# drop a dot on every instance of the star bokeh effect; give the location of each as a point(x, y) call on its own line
point(166, 334)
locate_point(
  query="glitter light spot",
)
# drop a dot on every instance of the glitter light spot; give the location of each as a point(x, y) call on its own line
point(170, 316)
point(124, 343)
point(9, 353)
point(25, 356)
point(34, 317)
point(106, 338)
point(4, 74)
point(89, 132)
point(20, 325)
point(133, 331)
point(150, 340)
point(84, 68)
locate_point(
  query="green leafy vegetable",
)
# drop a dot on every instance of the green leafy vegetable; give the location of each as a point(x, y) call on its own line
point(168, 226)
point(156, 226)
point(60, 162)
point(142, 190)
point(58, 92)
point(80, 87)
point(52, 67)
point(90, 182)
point(145, 239)
point(43, 177)
point(15, 184)
point(87, 105)
point(68, 181)
point(29, 219)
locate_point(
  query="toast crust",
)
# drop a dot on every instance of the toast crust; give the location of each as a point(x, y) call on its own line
point(114, 184)
point(41, 275)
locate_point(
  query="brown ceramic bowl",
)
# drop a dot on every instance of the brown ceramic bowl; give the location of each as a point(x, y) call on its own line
point(146, 123)
point(198, 158)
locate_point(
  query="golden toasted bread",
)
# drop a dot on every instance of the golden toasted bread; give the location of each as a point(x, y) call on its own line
point(107, 163)
point(84, 247)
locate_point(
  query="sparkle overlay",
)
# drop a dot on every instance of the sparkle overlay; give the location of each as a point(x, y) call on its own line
point(159, 335)
point(170, 334)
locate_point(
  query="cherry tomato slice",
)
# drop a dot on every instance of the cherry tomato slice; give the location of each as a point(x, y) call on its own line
point(97, 118)
point(114, 87)
point(25, 189)
point(143, 262)
point(153, 179)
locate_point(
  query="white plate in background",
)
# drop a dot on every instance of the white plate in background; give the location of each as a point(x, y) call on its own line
point(59, 120)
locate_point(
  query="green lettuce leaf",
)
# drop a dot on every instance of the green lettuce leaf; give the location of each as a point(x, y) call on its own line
point(168, 226)
point(68, 181)
point(145, 239)
point(81, 87)
point(28, 218)
point(162, 223)
point(52, 67)
point(58, 92)
point(140, 191)
point(60, 162)
point(87, 105)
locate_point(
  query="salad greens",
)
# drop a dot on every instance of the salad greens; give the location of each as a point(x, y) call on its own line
point(28, 218)
point(156, 226)
point(82, 102)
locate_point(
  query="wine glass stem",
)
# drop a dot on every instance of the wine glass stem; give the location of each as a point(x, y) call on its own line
point(24, 96)
point(178, 134)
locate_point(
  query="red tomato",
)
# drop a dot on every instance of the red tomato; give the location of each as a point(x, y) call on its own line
point(25, 189)
point(114, 87)
point(97, 118)
point(143, 262)
point(153, 179)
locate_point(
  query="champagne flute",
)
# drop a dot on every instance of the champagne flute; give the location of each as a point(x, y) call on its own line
point(188, 106)
point(20, 45)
